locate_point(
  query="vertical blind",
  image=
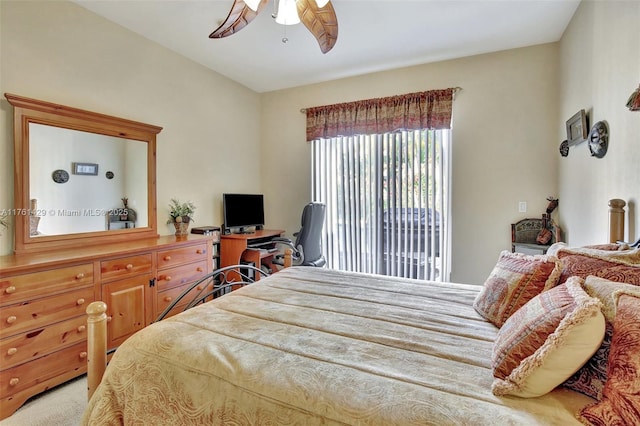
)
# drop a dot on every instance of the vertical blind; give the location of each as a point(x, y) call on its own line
point(387, 202)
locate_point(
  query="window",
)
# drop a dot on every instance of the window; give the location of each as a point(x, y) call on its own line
point(387, 198)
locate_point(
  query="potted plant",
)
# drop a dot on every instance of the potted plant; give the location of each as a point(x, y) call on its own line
point(180, 215)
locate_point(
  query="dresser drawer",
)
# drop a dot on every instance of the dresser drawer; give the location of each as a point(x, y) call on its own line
point(38, 313)
point(27, 286)
point(36, 343)
point(179, 275)
point(175, 311)
point(24, 376)
point(129, 307)
point(166, 297)
point(178, 256)
point(125, 266)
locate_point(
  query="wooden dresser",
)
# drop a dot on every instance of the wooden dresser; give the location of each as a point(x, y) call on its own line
point(43, 297)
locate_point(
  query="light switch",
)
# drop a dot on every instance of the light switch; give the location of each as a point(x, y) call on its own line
point(522, 206)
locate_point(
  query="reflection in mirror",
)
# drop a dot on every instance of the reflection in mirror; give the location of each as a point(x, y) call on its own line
point(72, 168)
point(77, 201)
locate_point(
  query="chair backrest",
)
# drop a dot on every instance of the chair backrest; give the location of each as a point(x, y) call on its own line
point(310, 235)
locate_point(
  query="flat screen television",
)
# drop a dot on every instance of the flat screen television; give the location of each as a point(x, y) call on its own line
point(242, 211)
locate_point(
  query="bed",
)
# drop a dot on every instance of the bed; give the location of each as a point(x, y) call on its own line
point(312, 346)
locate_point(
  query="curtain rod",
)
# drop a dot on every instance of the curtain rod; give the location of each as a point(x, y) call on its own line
point(455, 90)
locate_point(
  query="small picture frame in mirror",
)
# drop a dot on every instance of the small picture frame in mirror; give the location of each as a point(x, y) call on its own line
point(90, 169)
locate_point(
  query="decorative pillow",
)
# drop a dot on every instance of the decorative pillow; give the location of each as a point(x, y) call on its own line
point(553, 248)
point(619, 266)
point(515, 280)
point(609, 246)
point(606, 290)
point(620, 404)
point(544, 236)
point(546, 341)
point(590, 379)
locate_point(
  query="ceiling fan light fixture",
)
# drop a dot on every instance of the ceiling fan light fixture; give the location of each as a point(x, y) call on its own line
point(253, 4)
point(318, 16)
point(287, 13)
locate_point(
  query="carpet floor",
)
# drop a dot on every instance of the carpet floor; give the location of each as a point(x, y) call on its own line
point(60, 406)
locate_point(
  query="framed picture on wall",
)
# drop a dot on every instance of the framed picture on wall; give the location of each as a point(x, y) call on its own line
point(577, 128)
point(85, 169)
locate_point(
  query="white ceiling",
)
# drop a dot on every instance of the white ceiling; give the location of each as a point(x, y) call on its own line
point(373, 35)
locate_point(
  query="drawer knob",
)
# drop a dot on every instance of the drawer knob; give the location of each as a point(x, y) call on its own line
point(11, 319)
point(82, 328)
point(83, 355)
point(109, 318)
point(199, 269)
point(199, 287)
point(129, 267)
point(167, 258)
point(10, 289)
point(12, 351)
point(14, 381)
point(168, 298)
point(80, 276)
point(200, 251)
point(80, 301)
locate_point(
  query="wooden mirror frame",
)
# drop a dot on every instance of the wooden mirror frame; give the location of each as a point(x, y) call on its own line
point(28, 111)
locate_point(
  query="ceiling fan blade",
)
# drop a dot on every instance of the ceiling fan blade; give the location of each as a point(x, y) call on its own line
point(239, 17)
point(322, 22)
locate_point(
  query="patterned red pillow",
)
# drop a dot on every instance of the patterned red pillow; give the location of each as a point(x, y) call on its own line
point(606, 271)
point(590, 379)
point(546, 341)
point(623, 267)
point(608, 247)
point(620, 404)
point(516, 279)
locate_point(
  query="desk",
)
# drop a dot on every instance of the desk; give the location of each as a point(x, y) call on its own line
point(234, 248)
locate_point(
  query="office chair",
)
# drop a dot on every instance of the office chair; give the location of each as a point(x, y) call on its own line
point(307, 250)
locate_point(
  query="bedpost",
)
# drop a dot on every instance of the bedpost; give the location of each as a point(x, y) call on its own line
point(96, 344)
point(616, 220)
point(287, 257)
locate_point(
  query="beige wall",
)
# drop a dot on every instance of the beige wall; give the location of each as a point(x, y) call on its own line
point(60, 52)
point(505, 147)
point(599, 68)
point(508, 124)
point(508, 121)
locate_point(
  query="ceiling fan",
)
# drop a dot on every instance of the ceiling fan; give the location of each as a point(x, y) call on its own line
point(317, 15)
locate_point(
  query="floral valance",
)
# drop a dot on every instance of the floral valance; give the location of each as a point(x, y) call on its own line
point(413, 111)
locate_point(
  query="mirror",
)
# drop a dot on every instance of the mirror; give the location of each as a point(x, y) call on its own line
point(70, 196)
point(81, 177)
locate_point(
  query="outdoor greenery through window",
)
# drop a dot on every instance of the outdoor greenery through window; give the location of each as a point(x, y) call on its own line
point(387, 198)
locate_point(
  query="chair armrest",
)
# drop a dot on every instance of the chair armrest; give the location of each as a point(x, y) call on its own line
point(282, 240)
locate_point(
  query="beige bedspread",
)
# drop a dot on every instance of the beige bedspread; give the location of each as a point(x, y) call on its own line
point(313, 346)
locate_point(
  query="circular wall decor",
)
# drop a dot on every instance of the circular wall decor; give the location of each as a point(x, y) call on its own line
point(564, 148)
point(60, 176)
point(109, 175)
point(599, 139)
